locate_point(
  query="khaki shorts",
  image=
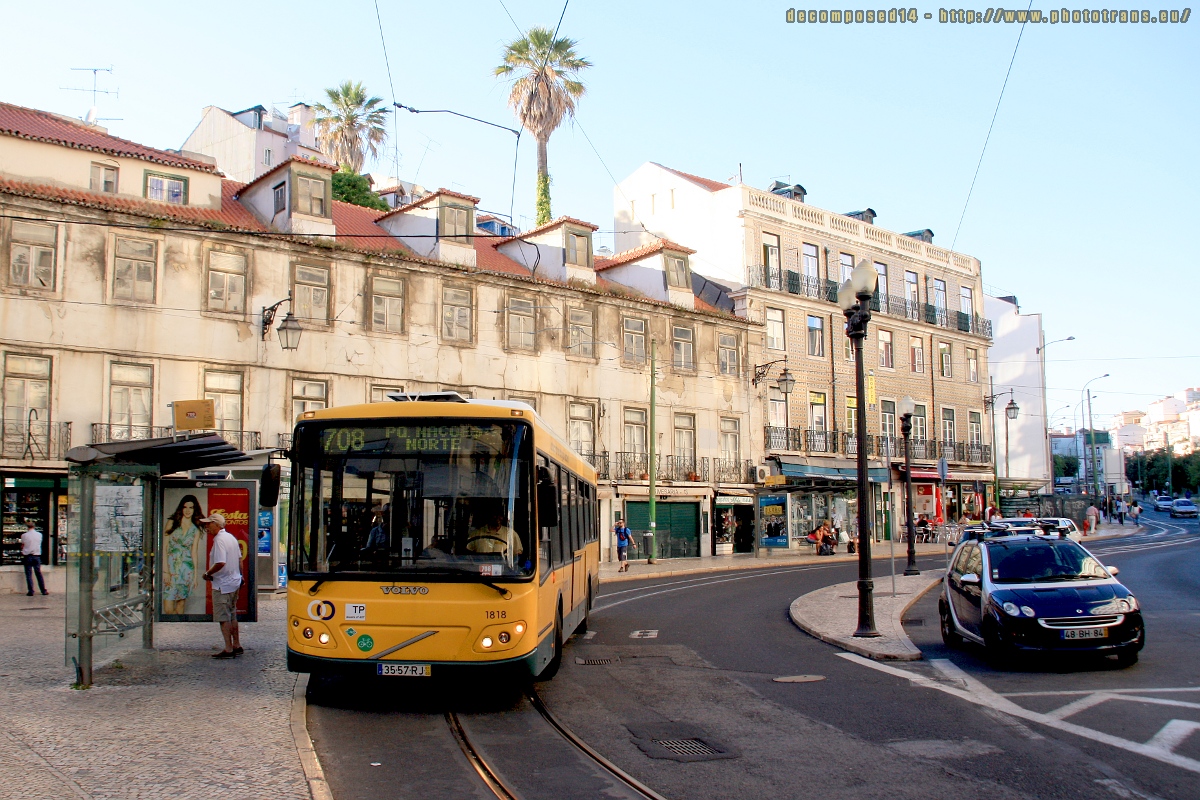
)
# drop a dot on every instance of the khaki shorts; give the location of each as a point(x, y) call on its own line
point(224, 606)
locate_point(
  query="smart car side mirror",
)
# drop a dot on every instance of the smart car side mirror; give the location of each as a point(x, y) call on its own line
point(970, 578)
point(1112, 570)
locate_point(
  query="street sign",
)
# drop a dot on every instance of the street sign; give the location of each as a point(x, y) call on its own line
point(943, 469)
point(194, 415)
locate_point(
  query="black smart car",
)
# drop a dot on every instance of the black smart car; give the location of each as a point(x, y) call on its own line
point(1018, 590)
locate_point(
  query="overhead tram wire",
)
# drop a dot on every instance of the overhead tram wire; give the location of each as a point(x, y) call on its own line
point(990, 126)
point(391, 86)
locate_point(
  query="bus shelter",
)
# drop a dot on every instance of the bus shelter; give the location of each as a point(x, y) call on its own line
point(113, 525)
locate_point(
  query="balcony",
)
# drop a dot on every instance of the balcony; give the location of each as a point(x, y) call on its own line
point(285, 441)
point(921, 449)
point(599, 462)
point(979, 454)
point(684, 468)
point(103, 432)
point(850, 444)
point(733, 470)
point(784, 438)
point(889, 447)
point(42, 441)
point(632, 466)
point(820, 441)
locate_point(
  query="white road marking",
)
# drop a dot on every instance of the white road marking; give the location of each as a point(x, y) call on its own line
point(1082, 704)
point(697, 584)
point(1173, 734)
point(589, 635)
point(976, 692)
point(1123, 791)
point(650, 634)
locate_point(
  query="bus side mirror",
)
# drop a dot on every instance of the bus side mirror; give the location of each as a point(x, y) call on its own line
point(547, 504)
point(268, 486)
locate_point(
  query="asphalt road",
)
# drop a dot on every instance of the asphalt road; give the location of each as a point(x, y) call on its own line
point(695, 658)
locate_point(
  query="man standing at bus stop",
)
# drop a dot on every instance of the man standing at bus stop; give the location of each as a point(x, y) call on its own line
point(225, 572)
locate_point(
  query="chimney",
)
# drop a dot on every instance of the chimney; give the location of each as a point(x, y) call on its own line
point(794, 191)
point(867, 215)
point(924, 235)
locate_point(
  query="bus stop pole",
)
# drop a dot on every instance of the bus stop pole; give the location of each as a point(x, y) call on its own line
point(87, 572)
point(652, 457)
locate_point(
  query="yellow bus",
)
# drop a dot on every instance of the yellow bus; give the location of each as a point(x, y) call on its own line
point(433, 531)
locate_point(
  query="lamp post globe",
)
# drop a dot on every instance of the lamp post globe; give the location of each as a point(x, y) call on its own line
point(1012, 409)
point(786, 381)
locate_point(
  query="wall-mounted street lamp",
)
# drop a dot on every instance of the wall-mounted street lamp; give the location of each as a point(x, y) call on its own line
point(786, 381)
point(289, 330)
point(1010, 414)
point(854, 297)
point(1056, 341)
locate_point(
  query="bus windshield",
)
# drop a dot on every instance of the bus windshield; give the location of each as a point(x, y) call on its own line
point(432, 496)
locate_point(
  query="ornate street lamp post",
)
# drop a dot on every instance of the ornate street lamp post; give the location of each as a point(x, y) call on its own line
point(289, 329)
point(854, 297)
point(907, 407)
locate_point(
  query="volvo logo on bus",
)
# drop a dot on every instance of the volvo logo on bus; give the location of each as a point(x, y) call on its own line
point(405, 589)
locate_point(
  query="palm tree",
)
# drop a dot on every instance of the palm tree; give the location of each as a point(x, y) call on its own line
point(350, 125)
point(544, 92)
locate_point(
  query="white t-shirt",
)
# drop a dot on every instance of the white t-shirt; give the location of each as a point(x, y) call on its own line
point(225, 549)
point(31, 543)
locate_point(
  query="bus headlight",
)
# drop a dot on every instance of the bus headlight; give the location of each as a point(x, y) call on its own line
point(519, 628)
point(323, 638)
point(487, 641)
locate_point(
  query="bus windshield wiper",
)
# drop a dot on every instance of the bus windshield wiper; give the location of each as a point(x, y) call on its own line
point(505, 593)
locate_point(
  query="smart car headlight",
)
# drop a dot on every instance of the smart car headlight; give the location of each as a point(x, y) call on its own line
point(1011, 609)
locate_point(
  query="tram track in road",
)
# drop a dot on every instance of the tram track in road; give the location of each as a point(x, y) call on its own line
point(492, 773)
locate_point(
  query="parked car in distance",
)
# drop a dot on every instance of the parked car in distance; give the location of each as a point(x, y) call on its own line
point(1184, 508)
point(1060, 525)
point(1164, 502)
point(1014, 591)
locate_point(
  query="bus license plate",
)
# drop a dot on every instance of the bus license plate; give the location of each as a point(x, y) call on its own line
point(403, 670)
point(1085, 633)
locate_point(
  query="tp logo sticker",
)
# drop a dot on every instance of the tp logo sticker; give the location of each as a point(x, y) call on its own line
point(356, 612)
point(321, 609)
point(365, 643)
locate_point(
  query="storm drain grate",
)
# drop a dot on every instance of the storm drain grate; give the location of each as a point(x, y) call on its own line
point(594, 662)
point(914, 621)
point(687, 747)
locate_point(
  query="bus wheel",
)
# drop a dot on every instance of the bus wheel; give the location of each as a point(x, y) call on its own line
point(552, 668)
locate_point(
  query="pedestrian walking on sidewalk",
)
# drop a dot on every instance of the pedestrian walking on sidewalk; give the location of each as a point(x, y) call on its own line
point(624, 537)
point(31, 556)
point(1093, 519)
point(1135, 512)
point(225, 572)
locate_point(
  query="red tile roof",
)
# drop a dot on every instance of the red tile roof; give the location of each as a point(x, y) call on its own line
point(710, 185)
point(640, 252)
point(489, 258)
point(231, 215)
point(554, 224)
point(428, 197)
point(356, 228)
point(42, 126)
point(308, 162)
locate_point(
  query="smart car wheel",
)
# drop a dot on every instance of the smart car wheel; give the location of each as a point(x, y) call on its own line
point(1127, 658)
point(950, 636)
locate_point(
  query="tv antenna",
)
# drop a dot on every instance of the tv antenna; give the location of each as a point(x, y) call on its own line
point(95, 90)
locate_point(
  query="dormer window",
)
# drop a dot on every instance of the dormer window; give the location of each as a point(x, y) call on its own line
point(454, 223)
point(280, 197)
point(579, 249)
point(166, 188)
point(677, 272)
point(310, 196)
point(104, 178)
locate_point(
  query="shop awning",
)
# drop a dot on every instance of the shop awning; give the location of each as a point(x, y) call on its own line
point(953, 475)
point(167, 453)
point(690, 492)
point(831, 470)
point(734, 493)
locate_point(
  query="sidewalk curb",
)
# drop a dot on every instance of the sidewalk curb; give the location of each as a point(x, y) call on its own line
point(852, 646)
point(314, 776)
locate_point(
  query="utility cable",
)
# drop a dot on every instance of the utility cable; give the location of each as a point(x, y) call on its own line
point(990, 126)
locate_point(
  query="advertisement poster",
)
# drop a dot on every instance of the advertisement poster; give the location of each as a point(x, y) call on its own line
point(183, 594)
point(265, 523)
point(926, 501)
point(772, 510)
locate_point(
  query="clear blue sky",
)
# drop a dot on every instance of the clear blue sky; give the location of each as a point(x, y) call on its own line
point(1082, 209)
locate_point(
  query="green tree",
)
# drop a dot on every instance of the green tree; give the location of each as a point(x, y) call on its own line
point(545, 89)
point(351, 125)
point(1066, 466)
point(350, 187)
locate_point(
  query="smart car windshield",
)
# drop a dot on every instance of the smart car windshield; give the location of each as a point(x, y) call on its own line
point(1042, 561)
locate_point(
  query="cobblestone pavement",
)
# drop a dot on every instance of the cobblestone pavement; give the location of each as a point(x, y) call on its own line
point(165, 723)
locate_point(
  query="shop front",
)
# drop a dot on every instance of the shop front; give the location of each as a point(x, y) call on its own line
point(962, 496)
point(816, 493)
point(733, 522)
point(682, 520)
point(37, 496)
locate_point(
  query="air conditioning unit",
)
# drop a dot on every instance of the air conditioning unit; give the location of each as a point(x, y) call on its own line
point(761, 474)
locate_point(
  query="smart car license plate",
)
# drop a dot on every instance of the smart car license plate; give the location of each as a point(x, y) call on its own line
point(403, 670)
point(1085, 633)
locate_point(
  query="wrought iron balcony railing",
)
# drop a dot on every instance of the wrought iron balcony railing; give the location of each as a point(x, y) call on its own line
point(921, 449)
point(35, 441)
point(600, 462)
point(979, 454)
point(889, 447)
point(820, 441)
point(733, 470)
point(784, 438)
point(850, 444)
point(684, 468)
point(632, 466)
point(103, 432)
point(285, 441)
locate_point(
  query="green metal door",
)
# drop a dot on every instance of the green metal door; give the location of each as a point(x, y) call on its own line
point(677, 534)
point(637, 519)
